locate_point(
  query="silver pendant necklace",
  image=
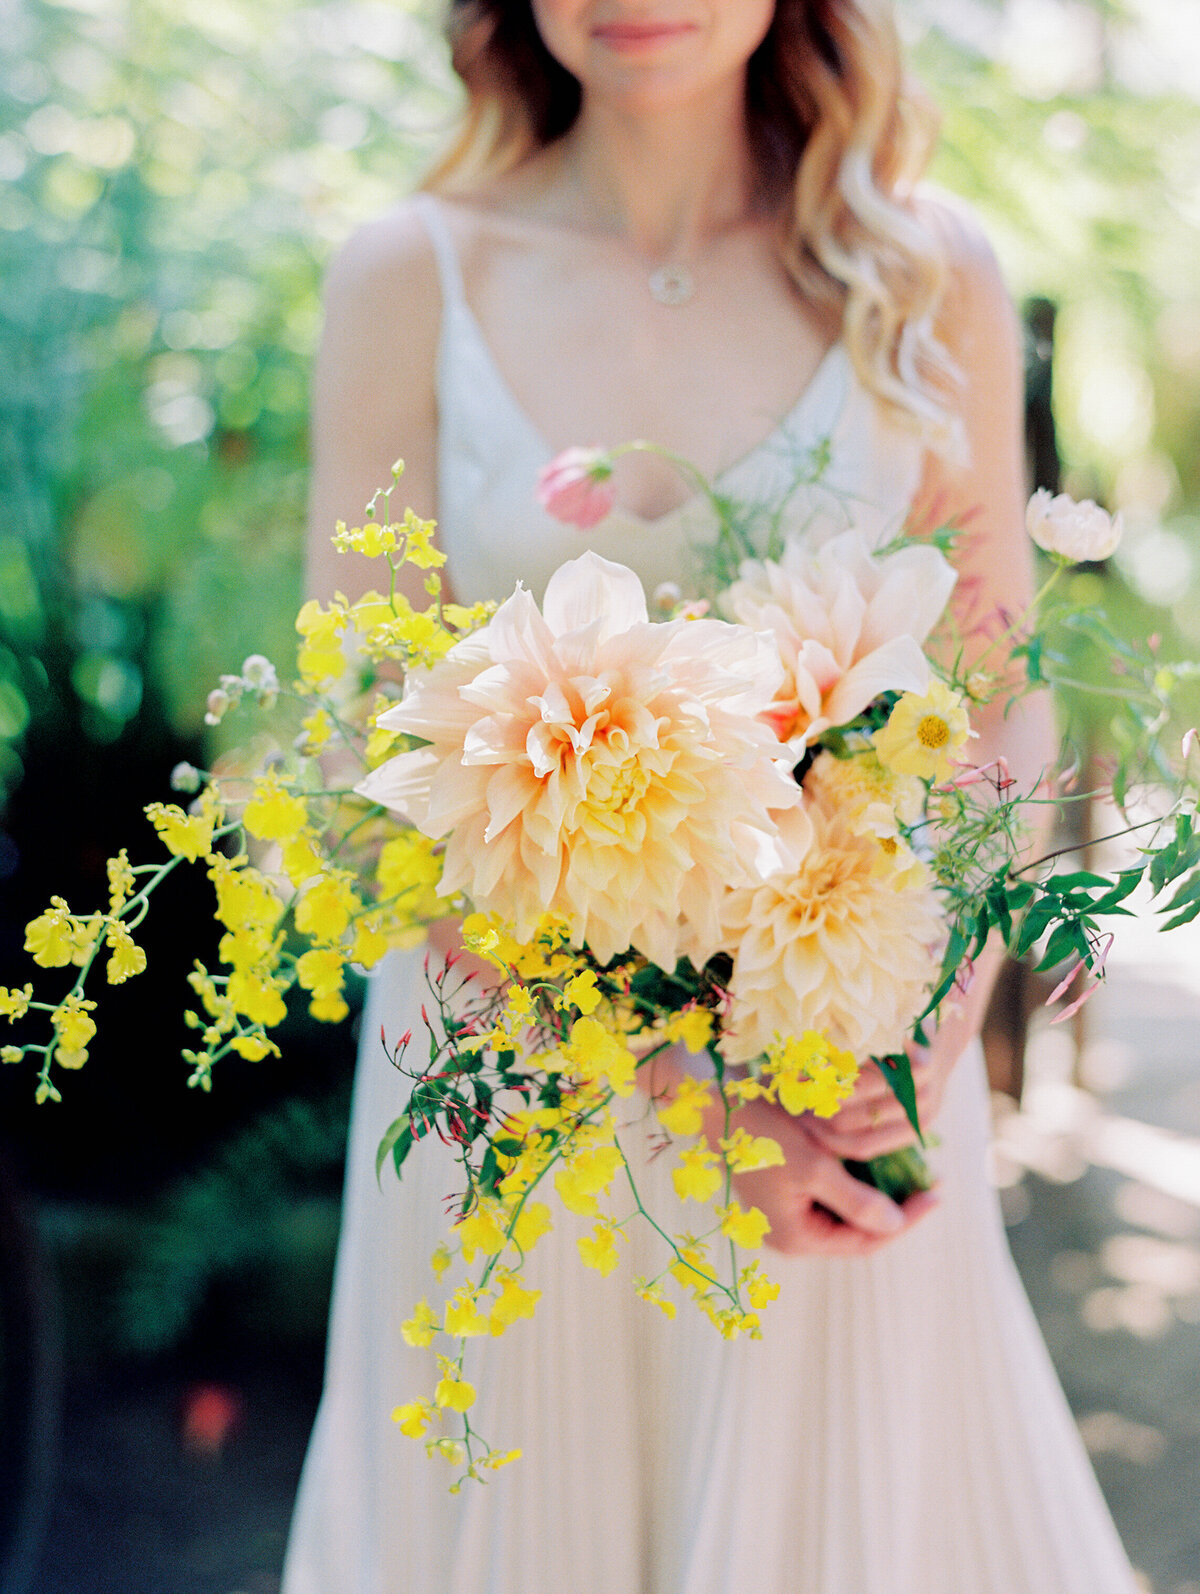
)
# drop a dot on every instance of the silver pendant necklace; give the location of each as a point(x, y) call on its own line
point(671, 285)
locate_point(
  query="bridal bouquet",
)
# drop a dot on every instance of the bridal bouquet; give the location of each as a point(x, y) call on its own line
point(759, 839)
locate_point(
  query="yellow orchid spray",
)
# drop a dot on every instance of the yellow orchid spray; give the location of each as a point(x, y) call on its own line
point(758, 839)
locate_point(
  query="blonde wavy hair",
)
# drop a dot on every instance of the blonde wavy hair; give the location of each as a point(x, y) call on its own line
point(842, 137)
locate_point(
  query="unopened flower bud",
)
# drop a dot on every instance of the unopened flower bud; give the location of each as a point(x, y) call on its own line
point(576, 486)
point(259, 673)
point(218, 703)
point(186, 777)
point(1078, 532)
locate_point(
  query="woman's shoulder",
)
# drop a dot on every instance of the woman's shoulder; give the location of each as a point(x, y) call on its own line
point(976, 303)
point(382, 303)
point(392, 262)
point(387, 266)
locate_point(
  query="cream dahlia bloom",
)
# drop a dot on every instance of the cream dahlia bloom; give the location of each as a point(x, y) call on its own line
point(830, 942)
point(848, 624)
point(587, 763)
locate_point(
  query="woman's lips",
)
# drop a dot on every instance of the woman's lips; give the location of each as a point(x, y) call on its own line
point(640, 35)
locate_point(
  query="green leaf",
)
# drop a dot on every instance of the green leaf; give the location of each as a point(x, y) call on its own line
point(1076, 902)
point(1036, 921)
point(483, 1100)
point(1066, 939)
point(1189, 891)
point(1080, 877)
point(426, 1101)
point(1169, 862)
point(956, 951)
point(1161, 864)
point(1033, 656)
point(1127, 883)
point(398, 1140)
point(897, 1070)
point(1001, 914)
point(1186, 917)
point(489, 1172)
point(1120, 785)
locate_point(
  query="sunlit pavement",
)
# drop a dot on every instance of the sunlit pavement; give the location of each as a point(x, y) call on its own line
point(1101, 1188)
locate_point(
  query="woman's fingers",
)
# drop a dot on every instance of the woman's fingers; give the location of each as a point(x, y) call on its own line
point(873, 1122)
point(870, 1086)
point(852, 1120)
point(863, 1144)
point(862, 1135)
point(813, 1204)
point(857, 1204)
point(818, 1232)
point(815, 1231)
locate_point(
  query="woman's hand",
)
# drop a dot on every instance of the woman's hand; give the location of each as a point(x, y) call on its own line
point(814, 1206)
point(872, 1122)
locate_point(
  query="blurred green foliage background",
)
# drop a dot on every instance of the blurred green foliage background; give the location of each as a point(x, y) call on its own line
point(173, 176)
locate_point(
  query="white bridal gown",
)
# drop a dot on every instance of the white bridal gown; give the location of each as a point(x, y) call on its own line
point(899, 1428)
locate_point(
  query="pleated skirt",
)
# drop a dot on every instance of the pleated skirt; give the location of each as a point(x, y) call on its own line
point(899, 1429)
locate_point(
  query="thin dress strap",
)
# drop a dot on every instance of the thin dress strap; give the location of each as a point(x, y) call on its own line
point(449, 270)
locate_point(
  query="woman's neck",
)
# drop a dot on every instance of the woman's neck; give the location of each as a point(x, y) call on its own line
point(668, 183)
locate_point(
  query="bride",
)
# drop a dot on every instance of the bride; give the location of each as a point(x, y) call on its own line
point(695, 221)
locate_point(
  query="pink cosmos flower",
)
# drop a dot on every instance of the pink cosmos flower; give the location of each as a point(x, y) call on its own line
point(584, 762)
point(848, 625)
point(577, 486)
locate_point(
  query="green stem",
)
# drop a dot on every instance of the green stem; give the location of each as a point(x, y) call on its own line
point(1061, 852)
point(1026, 614)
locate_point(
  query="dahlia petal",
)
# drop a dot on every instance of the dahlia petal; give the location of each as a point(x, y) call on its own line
point(402, 783)
point(917, 584)
point(817, 671)
point(456, 795)
point(897, 665)
point(509, 792)
point(590, 591)
point(518, 631)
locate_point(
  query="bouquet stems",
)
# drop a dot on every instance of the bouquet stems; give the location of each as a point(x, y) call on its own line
point(899, 1175)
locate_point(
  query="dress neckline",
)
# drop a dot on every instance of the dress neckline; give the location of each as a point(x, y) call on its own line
point(830, 361)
